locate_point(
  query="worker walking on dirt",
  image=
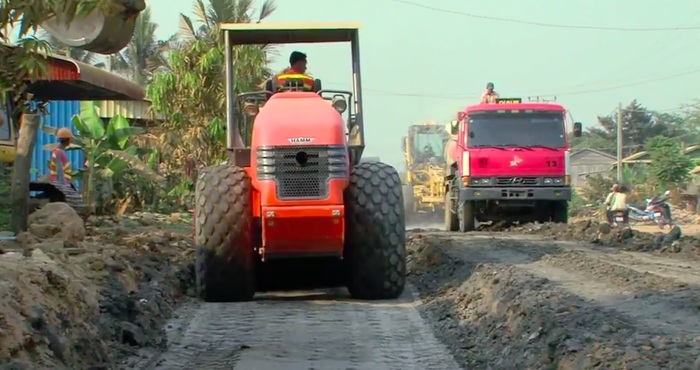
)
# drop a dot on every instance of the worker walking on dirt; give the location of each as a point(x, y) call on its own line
point(60, 170)
point(489, 96)
point(296, 71)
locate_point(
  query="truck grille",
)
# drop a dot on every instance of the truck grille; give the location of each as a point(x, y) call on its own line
point(516, 181)
point(302, 171)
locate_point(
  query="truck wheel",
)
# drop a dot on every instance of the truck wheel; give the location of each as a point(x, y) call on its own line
point(225, 265)
point(451, 219)
point(560, 211)
point(467, 219)
point(375, 247)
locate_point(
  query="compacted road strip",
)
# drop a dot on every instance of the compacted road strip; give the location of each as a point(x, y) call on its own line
point(317, 330)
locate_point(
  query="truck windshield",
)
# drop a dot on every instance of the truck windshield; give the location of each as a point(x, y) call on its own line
point(518, 129)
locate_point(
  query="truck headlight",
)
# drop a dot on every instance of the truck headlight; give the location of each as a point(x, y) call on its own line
point(553, 181)
point(482, 181)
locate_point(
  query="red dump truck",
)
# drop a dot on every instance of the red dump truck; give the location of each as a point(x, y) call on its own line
point(508, 161)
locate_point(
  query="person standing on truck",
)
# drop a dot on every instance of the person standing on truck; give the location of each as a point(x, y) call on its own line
point(60, 170)
point(489, 96)
point(296, 71)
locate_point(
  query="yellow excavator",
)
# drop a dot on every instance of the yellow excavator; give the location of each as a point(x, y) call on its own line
point(423, 191)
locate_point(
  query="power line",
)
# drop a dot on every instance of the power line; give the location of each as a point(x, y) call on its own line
point(546, 25)
point(664, 78)
point(568, 93)
point(659, 45)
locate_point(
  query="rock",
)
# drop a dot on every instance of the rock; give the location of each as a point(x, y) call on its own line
point(26, 239)
point(673, 235)
point(51, 246)
point(57, 343)
point(132, 334)
point(44, 231)
point(40, 256)
point(57, 216)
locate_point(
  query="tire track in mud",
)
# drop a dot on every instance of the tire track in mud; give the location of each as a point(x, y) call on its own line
point(319, 330)
point(511, 301)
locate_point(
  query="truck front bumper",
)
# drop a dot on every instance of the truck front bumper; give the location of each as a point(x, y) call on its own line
point(539, 193)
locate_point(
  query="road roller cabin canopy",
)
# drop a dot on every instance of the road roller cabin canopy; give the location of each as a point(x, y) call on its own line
point(295, 33)
point(290, 33)
point(68, 79)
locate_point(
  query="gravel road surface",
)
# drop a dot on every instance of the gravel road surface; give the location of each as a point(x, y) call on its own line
point(320, 330)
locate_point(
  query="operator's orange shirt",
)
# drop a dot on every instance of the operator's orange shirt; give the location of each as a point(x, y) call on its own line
point(291, 74)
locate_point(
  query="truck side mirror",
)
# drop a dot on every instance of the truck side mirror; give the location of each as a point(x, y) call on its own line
point(578, 129)
point(454, 127)
point(403, 143)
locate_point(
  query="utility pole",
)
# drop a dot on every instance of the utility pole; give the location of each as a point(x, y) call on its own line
point(619, 142)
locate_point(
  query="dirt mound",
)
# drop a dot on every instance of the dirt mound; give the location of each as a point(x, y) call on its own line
point(498, 316)
point(423, 253)
point(672, 241)
point(77, 297)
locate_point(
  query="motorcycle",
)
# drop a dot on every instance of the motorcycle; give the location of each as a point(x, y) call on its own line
point(656, 210)
point(618, 218)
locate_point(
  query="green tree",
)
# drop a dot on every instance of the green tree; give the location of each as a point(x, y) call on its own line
point(670, 167)
point(639, 124)
point(108, 151)
point(192, 92)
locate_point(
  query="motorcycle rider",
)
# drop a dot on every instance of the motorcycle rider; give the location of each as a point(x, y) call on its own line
point(608, 214)
point(617, 202)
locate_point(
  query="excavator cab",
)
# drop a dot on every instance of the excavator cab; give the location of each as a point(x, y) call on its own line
point(295, 187)
point(8, 131)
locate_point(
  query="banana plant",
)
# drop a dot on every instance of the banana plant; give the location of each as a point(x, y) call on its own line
point(107, 149)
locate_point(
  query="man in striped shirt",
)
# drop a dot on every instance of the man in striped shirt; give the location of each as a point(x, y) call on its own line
point(60, 170)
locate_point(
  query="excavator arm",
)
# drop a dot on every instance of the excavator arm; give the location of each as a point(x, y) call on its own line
point(105, 30)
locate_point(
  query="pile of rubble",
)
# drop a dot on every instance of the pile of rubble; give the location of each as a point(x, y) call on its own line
point(75, 295)
point(671, 240)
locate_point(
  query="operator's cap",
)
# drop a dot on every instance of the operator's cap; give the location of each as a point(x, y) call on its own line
point(489, 85)
point(296, 56)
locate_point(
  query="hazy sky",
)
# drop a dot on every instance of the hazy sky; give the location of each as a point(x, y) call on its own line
point(420, 64)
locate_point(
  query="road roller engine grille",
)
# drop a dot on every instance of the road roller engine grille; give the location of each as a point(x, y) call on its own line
point(302, 171)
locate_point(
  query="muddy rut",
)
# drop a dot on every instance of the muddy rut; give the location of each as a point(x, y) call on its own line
point(509, 301)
